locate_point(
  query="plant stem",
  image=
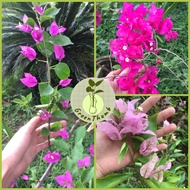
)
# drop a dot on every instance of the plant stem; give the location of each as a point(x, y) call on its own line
point(49, 145)
point(175, 55)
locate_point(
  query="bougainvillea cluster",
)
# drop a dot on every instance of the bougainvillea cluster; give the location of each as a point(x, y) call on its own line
point(136, 34)
point(127, 120)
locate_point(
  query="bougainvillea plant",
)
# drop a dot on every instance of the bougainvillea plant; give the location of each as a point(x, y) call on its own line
point(78, 167)
point(137, 35)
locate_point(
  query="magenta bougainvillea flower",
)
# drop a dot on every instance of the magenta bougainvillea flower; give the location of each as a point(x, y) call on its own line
point(28, 52)
point(66, 181)
point(45, 115)
point(91, 150)
point(65, 103)
point(13, 183)
point(23, 26)
point(25, 177)
point(52, 157)
point(85, 162)
point(40, 10)
point(148, 146)
point(29, 80)
point(55, 29)
point(98, 18)
point(59, 52)
point(63, 133)
point(65, 82)
point(150, 169)
point(37, 33)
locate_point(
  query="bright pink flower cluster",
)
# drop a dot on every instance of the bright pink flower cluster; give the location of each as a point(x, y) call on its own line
point(66, 181)
point(135, 36)
point(37, 34)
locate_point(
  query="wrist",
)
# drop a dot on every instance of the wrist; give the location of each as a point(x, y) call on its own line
point(99, 172)
point(7, 174)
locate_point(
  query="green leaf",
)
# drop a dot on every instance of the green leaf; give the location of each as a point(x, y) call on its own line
point(112, 180)
point(18, 101)
point(29, 97)
point(152, 123)
point(87, 175)
point(62, 71)
point(60, 40)
point(116, 113)
point(30, 22)
point(91, 82)
point(61, 145)
point(152, 184)
point(46, 36)
point(44, 18)
point(7, 130)
point(79, 184)
point(71, 165)
point(45, 99)
point(59, 114)
point(66, 92)
point(98, 91)
point(77, 151)
point(99, 82)
point(51, 12)
point(45, 48)
point(56, 126)
point(79, 134)
point(44, 132)
point(123, 151)
point(45, 89)
point(170, 9)
point(89, 89)
point(117, 67)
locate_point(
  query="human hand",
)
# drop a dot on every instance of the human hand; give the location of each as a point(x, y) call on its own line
point(22, 148)
point(112, 77)
point(107, 150)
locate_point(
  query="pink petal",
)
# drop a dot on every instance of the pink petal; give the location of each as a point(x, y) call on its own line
point(84, 162)
point(147, 169)
point(29, 80)
point(54, 29)
point(111, 131)
point(65, 82)
point(59, 52)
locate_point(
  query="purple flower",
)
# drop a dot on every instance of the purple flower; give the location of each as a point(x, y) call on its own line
point(29, 80)
point(149, 169)
point(148, 146)
point(52, 157)
point(91, 150)
point(55, 29)
point(25, 177)
point(65, 103)
point(37, 33)
point(13, 183)
point(84, 162)
point(23, 26)
point(65, 82)
point(28, 52)
point(65, 181)
point(45, 115)
point(98, 18)
point(40, 10)
point(59, 52)
point(63, 133)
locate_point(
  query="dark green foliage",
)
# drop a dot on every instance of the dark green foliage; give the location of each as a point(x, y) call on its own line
point(76, 17)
